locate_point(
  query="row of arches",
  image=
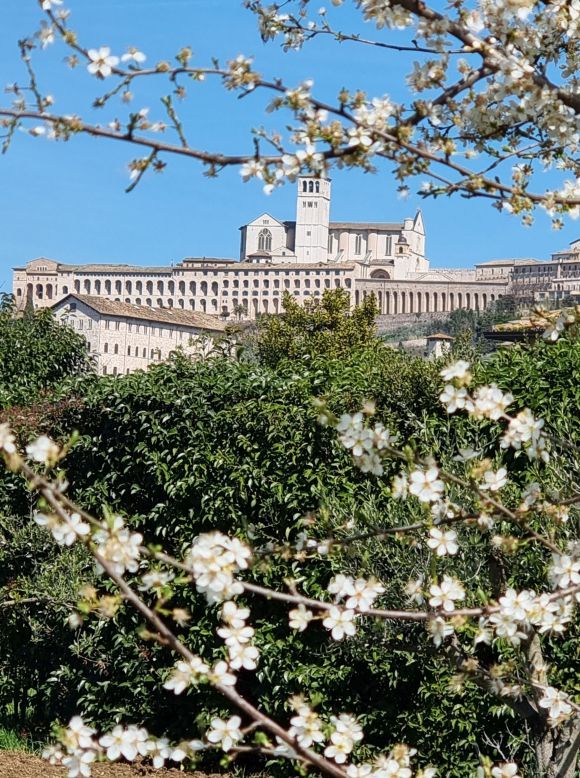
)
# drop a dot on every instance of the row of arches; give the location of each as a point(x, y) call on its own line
point(405, 301)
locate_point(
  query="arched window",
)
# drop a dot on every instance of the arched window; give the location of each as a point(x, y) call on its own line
point(304, 186)
point(265, 241)
point(311, 186)
point(318, 186)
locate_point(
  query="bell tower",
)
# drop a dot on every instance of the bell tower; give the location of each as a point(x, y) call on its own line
point(312, 219)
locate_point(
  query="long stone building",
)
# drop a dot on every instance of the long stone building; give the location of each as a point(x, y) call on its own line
point(123, 337)
point(302, 257)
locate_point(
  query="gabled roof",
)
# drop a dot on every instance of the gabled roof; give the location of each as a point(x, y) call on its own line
point(257, 220)
point(175, 316)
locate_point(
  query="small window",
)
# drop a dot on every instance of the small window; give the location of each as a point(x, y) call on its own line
point(358, 244)
point(116, 349)
point(106, 348)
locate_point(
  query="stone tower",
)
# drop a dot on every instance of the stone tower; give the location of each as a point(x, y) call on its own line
point(312, 219)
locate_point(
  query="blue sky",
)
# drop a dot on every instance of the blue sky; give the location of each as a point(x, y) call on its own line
point(67, 201)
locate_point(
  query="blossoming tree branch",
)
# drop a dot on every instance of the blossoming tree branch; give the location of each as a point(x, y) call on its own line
point(457, 620)
point(492, 102)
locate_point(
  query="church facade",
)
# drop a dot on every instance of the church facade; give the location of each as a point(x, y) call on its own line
point(302, 257)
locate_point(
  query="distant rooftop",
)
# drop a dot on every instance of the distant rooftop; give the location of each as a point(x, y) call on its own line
point(176, 316)
point(525, 261)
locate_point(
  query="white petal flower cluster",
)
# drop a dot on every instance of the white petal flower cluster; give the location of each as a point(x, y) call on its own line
point(185, 674)
point(64, 532)
point(127, 742)
point(226, 734)
point(43, 450)
point(237, 636)
point(7, 439)
point(360, 594)
point(81, 748)
point(443, 542)
point(133, 55)
point(456, 398)
point(494, 480)
point(439, 629)
point(117, 545)
point(446, 593)
point(505, 770)
point(365, 443)
point(557, 704)
point(565, 570)
point(214, 559)
point(340, 622)
point(299, 618)
point(490, 402)
point(346, 732)
point(557, 327)
point(102, 62)
point(306, 726)
point(458, 372)
point(524, 431)
point(426, 485)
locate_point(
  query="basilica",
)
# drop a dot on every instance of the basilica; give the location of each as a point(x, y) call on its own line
point(303, 257)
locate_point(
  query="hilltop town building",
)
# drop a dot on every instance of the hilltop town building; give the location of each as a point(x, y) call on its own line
point(123, 337)
point(531, 280)
point(303, 257)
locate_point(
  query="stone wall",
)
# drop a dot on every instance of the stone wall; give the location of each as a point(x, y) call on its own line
point(389, 323)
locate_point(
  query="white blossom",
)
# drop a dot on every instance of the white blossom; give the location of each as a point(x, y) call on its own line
point(443, 542)
point(426, 485)
point(134, 55)
point(490, 402)
point(458, 371)
point(299, 618)
point(243, 656)
point(220, 674)
point(400, 486)
point(7, 439)
point(494, 480)
point(214, 558)
point(79, 762)
point(236, 635)
point(46, 34)
point(565, 571)
point(444, 594)
point(363, 594)
point(78, 735)
point(155, 579)
point(43, 450)
point(128, 742)
point(185, 673)
point(505, 770)
point(102, 62)
point(340, 623)
point(557, 704)
point(306, 727)
point(117, 545)
point(439, 629)
point(456, 398)
point(226, 733)
point(64, 532)
point(414, 590)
